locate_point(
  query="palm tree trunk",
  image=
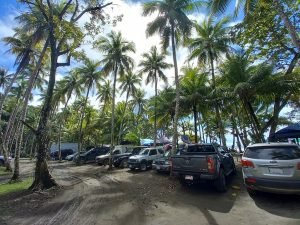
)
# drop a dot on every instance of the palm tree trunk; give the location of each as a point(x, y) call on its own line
point(113, 116)
point(122, 121)
point(59, 145)
point(43, 178)
point(219, 121)
point(289, 26)
point(195, 123)
point(155, 106)
point(81, 121)
point(177, 89)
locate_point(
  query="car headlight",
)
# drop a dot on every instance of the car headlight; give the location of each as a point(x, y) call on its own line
point(167, 162)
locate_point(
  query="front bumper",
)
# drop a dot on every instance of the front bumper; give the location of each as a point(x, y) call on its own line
point(273, 186)
point(134, 165)
point(161, 167)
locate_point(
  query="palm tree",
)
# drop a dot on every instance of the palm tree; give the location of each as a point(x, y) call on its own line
point(104, 93)
point(194, 91)
point(153, 65)
point(171, 23)
point(211, 41)
point(139, 100)
point(115, 60)
point(90, 75)
point(128, 84)
point(251, 5)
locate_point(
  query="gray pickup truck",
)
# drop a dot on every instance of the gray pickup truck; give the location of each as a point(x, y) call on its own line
point(209, 162)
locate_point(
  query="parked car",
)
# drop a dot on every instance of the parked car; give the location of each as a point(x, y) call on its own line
point(71, 157)
point(209, 162)
point(122, 159)
point(145, 158)
point(104, 159)
point(64, 153)
point(164, 163)
point(90, 155)
point(2, 161)
point(272, 167)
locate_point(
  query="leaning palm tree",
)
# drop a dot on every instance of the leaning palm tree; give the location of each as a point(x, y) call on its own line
point(139, 101)
point(115, 60)
point(129, 84)
point(90, 75)
point(153, 65)
point(210, 43)
point(171, 23)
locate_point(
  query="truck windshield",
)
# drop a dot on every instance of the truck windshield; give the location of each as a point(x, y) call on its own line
point(144, 152)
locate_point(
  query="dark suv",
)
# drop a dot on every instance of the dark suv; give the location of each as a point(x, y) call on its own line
point(91, 155)
point(122, 159)
point(64, 153)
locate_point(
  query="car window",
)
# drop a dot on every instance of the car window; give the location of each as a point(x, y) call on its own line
point(144, 152)
point(200, 149)
point(153, 152)
point(116, 152)
point(160, 151)
point(273, 152)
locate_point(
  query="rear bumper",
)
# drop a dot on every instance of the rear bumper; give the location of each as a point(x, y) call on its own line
point(196, 176)
point(274, 186)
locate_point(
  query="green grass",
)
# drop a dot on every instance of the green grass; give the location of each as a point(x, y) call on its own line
point(15, 187)
point(3, 172)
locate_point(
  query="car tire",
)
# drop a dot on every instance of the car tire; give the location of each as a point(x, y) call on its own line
point(105, 162)
point(220, 182)
point(251, 192)
point(132, 169)
point(124, 163)
point(143, 166)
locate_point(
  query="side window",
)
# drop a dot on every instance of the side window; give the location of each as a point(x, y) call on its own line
point(221, 150)
point(153, 152)
point(117, 152)
point(160, 151)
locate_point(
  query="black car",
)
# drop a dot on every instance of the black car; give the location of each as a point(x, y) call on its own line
point(64, 153)
point(90, 155)
point(122, 159)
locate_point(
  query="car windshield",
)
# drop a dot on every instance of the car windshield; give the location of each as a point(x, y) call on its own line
point(273, 152)
point(144, 152)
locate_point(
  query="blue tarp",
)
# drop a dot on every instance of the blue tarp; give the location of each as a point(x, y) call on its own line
point(291, 131)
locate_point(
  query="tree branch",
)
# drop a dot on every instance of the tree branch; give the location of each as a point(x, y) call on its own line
point(75, 10)
point(65, 63)
point(30, 127)
point(91, 9)
point(64, 10)
point(293, 64)
point(64, 52)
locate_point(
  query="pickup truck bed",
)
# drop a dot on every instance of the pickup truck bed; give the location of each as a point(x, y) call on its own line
point(204, 162)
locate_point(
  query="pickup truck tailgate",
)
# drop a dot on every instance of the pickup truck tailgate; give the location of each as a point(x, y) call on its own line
point(190, 163)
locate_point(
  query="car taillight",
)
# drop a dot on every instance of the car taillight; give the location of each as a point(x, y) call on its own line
point(247, 163)
point(298, 166)
point(250, 180)
point(210, 164)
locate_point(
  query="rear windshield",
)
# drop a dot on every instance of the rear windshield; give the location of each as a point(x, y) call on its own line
point(200, 149)
point(280, 153)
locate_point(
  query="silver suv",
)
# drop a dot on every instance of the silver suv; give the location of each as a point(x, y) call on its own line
point(272, 167)
point(145, 158)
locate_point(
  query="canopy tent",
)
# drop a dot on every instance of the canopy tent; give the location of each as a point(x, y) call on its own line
point(291, 131)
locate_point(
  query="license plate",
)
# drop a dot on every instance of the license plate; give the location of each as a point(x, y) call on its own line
point(275, 170)
point(158, 167)
point(188, 177)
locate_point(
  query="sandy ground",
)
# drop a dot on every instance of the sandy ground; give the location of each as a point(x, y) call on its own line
point(92, 195)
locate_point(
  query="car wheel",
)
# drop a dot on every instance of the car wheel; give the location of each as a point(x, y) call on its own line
point(132, 169)
point(105, 162)
point(143, 166)
point(251, 192)
point(220, 182)
point(124, 163)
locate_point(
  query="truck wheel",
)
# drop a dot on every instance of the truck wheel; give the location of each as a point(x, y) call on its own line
point(143, 166)
point(220, 182)
point(124, 163)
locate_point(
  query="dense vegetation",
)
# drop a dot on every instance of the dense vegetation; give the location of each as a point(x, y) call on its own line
point(236, 79)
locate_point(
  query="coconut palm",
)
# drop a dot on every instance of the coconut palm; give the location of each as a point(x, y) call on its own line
point(153, 65)
point(139, 100)
point(89, 76)
point(104, 93)
point(115, 60)
point(172, 24)
point(128, 84)
point(194, 91)
point(210, 43)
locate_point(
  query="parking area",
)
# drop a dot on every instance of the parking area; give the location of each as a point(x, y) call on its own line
point(93, 195)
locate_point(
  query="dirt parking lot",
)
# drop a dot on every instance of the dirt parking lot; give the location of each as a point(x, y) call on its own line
point(92, 195)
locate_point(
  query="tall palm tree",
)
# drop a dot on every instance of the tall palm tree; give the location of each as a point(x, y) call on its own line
point(139, 100)
point(194, 91)
point(171, 23)
point(115, 60)
point(153, 65)
point(210, 42)
point(128, 84)
point(90, 75)
point(250, 5)
point(104, 93)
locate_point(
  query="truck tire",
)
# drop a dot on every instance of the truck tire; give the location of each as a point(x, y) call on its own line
point(143, 166)
point(220, 182)
point(105, 162)
point(124, 163)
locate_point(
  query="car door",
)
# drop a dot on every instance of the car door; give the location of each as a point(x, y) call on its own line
point(152, 155)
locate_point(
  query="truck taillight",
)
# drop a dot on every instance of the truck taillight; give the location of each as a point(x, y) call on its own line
point(210, 164)
point(247, 163)
point(298, 166)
